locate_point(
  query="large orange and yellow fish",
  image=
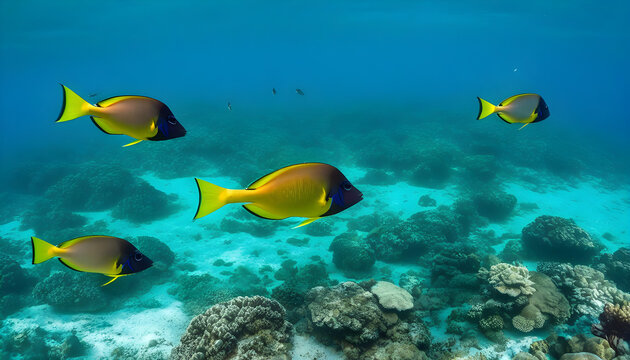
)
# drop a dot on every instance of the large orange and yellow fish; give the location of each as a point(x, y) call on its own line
point(522, 108)
point(140, 117)
point(310, 190)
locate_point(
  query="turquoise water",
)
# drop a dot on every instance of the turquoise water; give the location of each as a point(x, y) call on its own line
point(389, 99)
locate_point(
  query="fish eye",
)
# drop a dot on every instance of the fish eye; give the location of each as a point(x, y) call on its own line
point(171, 120)
point(346, 185)
point(137, 256)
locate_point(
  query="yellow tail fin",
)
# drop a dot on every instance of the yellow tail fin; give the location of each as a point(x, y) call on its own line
point(485, 108)
point(73, 106)
point(211, 198)
point(42, 250)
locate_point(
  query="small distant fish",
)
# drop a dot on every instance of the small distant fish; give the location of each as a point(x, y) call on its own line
point(299, 91)
point(105, 255)
point(92, 95)
point(139, 117)
point(229, 106)
point(273, 91)
point(310, 190)
point(522, 108)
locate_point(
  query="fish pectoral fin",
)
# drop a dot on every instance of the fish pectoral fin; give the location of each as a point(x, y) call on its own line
point(524, 126)
point(306, 222)
point(114, 277)
point(132, 143)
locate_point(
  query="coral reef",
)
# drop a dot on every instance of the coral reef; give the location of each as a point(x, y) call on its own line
point(614, 326)
point(255, 227)
point(242, 328)
point(427, 201)
point(616, 267)
point(36, 343)
point(586, 288)
point(350, 316)
point(559, 239)
point(511, 280)
point(351, 253)
point(407, 240)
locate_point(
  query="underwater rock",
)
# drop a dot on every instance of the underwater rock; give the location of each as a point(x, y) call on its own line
point(511, 280)
point(392, 297)
point(559, 239)
point(351, 253)
point(297, 241)
point(146, 204)
point(616, 267)
point(586, 288)
point(496, 205)
point(427, 201)
point(71, 291)
point(30, 343)
point(242, 328)
point(614, 326)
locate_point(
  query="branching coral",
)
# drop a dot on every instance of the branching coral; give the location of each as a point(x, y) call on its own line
point(511, 280)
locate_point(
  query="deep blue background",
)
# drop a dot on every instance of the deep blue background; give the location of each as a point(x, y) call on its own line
point(436, 57)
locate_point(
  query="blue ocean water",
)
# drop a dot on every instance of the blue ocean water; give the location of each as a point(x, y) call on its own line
point(389, 99)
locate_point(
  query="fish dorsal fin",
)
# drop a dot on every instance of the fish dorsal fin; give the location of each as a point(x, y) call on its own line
point(306, 222)
point(101, 124)
point(511, 99)
point(112, 100)
point(132, 143)
point(265, 179)
point(256, 210)
point(67, 244)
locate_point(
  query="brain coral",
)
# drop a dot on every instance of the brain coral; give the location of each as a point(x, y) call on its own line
point(511, 280)
point(242, 328)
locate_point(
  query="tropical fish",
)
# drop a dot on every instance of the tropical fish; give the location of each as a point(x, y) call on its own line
point(299, 91)
point(229, 106)
point(523, 108)
point(140, 117)
point(310, 190)
point(106, 255)
point(273, 91)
